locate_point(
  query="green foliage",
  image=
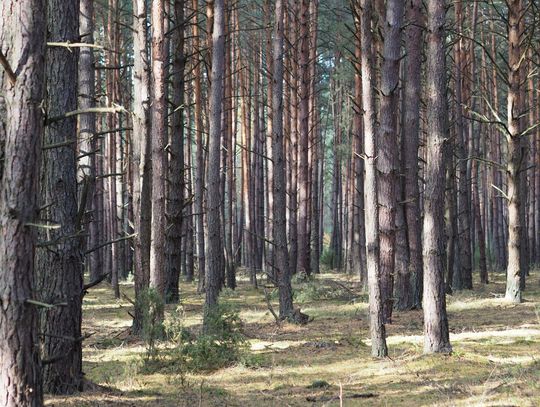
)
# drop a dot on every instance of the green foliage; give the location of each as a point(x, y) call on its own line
point(319, 384)
point(327, 258)
point(316, 291)
point(254, 360)
point(152, 306)
point(221, 344)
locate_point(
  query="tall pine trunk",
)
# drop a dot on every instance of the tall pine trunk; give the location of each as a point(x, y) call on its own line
point(214, 263)
point(436, 335)
point(22, 28)
point(376, 317)
point(60, 263)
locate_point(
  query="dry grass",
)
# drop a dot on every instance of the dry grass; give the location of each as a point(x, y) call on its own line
point(496, 359)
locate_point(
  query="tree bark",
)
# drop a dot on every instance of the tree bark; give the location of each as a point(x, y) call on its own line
point(199, 168)
point(22, 29)
point(214, 264)
point(387, 159)
point(141, 164)
point(436, 335)
point(279, 186)
point(376, 317)
point(60, 264)
point(176, 182)
point(87, 130)
point(158, 112)
point(411, 130)
point(515, 155)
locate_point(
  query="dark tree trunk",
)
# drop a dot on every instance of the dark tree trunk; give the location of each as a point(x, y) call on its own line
point(176, 162)
point(303, 264)
point(387, 160)
point(411, 130)
point(60, 264)
point(214, 264)
point(22, 28)
point(199, 167)
point(279, 186)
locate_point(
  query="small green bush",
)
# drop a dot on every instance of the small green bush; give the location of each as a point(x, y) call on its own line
point(221, 344)
point(315, 291)
point(327, 258)
point(153, 308)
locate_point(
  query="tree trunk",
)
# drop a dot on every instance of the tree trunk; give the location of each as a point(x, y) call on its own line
point(463, 275)
point(410, 140)
point(214, 264)
point(199, 168)
point(436, 335)
point(60, 264)
point(376, 317)
point(303, 264)
point(87, 138)
point(279, 186)
point(22, 29)
point(158, 112)
point(387, 159)
point(141, 164)
point(176, 162)
point(515, 155)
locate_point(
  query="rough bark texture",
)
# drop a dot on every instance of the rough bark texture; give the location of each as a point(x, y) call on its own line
point(436, 335)
point(141, 164)
point(176, 162)
point(22, 39)
point(515, 156)
point(411, 130)
point(199, 164)
point(60, 263)
point(158, 114)
point(303, 264)
point(214, 251)
point(463, 274)
point(279, 186)
point(387, 159)
point(86, 137)
point(377, 328)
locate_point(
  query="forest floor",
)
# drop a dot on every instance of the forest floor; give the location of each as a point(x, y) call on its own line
point(495, 362)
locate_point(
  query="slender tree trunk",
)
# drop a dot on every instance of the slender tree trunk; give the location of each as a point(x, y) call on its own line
point(158, 112)
point(199, 168)
point(175, 201)
point(410, 140)
point(112, 250)
point(279, 186)
point(141, 164)
point(303, 264)
point(23, 29)
point(214, 265)
point(463, 276)
point(387, 159)
point(359, 232)
point(436, 335)
point(87, 130)
point(376, 317)
point(515, 155)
